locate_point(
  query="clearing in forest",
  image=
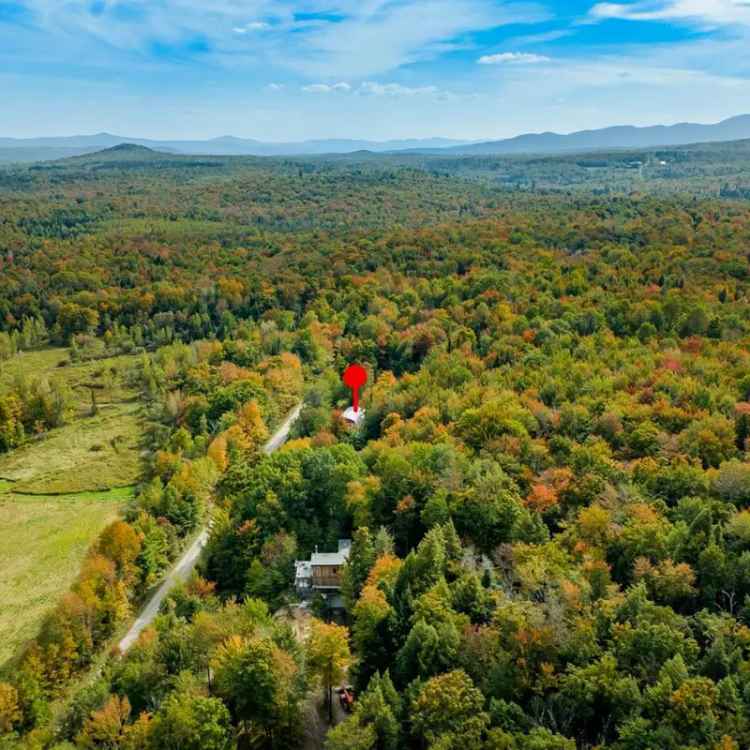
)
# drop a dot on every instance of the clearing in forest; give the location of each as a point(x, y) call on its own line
point(45, 540)
point(61, 488)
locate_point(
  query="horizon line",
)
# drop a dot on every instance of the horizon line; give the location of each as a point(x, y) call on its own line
point(372, 140)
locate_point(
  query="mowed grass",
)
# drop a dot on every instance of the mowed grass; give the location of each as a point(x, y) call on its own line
point(60, 489)
point(44, 542)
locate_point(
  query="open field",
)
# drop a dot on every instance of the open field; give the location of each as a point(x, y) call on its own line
point(107, 377)
point(59, 490)
point(90, 453)
point(32, 364)
point(44, 540)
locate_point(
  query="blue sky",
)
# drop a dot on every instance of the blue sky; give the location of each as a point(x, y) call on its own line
point(280, 70)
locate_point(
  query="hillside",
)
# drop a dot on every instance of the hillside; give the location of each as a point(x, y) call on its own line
point(628, 137)
point(122, 151)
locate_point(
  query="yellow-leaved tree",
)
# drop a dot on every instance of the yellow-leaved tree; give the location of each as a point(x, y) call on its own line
point(328, 656)
point(10, 713)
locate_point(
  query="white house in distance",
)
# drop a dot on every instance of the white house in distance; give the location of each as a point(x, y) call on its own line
point(353, 417)
point(322, 572)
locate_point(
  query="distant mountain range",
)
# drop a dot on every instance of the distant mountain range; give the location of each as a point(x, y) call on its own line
point(623, 136)
point(735, 128)
point(35, 149)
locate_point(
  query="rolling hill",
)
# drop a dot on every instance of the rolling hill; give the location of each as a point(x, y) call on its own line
point(621, 136)
point(735, 128)
point(39, 149)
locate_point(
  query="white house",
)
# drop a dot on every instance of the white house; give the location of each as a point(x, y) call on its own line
point(353, 417)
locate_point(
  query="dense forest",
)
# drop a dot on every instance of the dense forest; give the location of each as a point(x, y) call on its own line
point(549, 497)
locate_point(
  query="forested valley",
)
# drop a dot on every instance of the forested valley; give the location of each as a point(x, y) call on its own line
point(548, 497)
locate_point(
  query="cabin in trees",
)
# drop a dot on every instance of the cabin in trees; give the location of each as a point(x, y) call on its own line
point(322, 572)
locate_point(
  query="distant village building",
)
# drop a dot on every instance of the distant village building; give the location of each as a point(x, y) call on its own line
point(321, 574)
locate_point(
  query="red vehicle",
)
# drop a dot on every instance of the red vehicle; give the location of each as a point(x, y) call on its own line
point(346, 698)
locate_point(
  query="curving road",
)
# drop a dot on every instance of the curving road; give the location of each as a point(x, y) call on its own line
point(184, 567)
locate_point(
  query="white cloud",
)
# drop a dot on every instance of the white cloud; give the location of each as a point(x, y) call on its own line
point(252, 26)
point(703, 12)
point(371, 88)
point(275, 87)
point(326, 88)
point(394, 89)
point(513, 58)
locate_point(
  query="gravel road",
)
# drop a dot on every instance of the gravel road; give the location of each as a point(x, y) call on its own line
point(184, 567)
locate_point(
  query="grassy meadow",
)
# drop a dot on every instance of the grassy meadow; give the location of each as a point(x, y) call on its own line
point(90, 453)
point(108, 377)
point(60, 489)
point(44, 542)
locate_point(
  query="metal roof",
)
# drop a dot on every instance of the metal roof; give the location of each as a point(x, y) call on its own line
point(329, 558)
point(304, 567)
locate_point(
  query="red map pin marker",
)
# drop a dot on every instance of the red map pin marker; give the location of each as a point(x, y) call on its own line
point(355, 376)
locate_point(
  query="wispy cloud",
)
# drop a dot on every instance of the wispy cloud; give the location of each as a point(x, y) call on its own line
point(394, 89)
point(704, 12)
point(252, 26)
point(540, 38)
point(513, 58)
point(335, 64)
point(374, 88)
point(327, 88)
point(379, 36)
point(362, 37)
